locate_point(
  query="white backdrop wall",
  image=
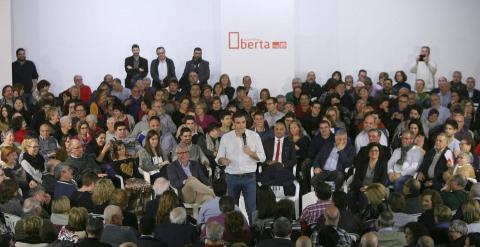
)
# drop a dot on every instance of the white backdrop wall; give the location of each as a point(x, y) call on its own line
point(92, 38)
point(5, 42)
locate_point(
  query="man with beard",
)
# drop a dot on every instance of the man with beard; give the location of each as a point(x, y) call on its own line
point(311, 86)
point(404, 161)
point(24, 72)
point(197, 64)
point(135, 66)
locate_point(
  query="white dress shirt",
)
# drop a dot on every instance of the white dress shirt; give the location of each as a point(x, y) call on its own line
point(412, 161)
point(275, 150)
point(231, 147)
point(162, 69)
point(362, 140)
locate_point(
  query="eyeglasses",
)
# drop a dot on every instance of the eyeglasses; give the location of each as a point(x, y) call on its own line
point(178, 153)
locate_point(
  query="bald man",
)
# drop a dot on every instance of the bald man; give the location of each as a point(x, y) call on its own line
point(369, 239)
point(332, 216)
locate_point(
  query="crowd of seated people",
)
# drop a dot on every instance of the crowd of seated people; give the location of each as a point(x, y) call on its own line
point(387, 162)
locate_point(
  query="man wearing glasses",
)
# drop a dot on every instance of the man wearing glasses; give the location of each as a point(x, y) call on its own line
point(188, 178)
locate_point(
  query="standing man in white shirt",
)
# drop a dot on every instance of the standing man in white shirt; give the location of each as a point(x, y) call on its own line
point(404, 162)
point(425, 68)
point(162, 69)
point(239, 151)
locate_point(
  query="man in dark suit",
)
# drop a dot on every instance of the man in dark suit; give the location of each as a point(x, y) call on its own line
point(146, 239)
point(198, 65)
point(162, 69)
point(434, 163)
point(188, 178)
point(280, 159)
point(332, 160)
point(282, 228)
point(135, 66)
point(473, 94)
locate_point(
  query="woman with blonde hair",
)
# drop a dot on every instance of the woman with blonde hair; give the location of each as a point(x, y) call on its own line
point(101, 195)
point(227, 86)
point(33, 162)
point(471, 215)
point(377, 195)
point(168, 201)
point(463, 167)
point(60, 209)
point(74, 231)
point(121, 198)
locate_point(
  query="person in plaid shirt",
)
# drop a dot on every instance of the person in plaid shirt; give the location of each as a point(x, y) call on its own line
point(332, 216)
point(312, 212)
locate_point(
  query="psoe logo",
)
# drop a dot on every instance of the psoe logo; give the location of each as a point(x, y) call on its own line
point(236, 42)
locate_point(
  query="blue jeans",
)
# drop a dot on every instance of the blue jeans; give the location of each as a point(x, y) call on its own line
point(398, 184)
point(247, 184)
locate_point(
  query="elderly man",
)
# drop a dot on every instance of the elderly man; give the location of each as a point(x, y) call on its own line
point(79, 161)
point(65, 185)
point(332, 160)
point(85, 91)
point(48, 144)
point(455, 195)
point(214, 236)
point(404, 161)
point(369, 122)
point(177, 232)
point(249, 90)
point(444, 112)
point(65, 130)
point(188, 178)
point(444, 91)
point(114, 233)
point(311, 86)
point(387, 234)
point(472, 93)
point(457, 85)
point(332, 217)
point(282, 229)
point(369, 239)
point(435, 162)
point(162, 69)
point(296, 82)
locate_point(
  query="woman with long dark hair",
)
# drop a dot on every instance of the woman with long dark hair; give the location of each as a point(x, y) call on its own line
point(152, 158)
point(6, 113)
point(122, 163)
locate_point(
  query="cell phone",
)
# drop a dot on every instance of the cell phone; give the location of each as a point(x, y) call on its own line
point(421, 57)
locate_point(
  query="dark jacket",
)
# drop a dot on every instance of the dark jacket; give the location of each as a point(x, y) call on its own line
point(147, 241)
point(289, 157)
point(91, 242)
point(280, 242)
point(176, 235)
point(176, 175)
point(440, 167)
point(23, 74)
point(156, 82)
point(143, 64)
point(202, 68)
point(380, 173)
point(345, 157)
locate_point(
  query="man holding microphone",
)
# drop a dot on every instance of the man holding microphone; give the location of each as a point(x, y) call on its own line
point(239, 151)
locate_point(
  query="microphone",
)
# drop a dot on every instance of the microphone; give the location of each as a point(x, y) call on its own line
point(244, 137)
